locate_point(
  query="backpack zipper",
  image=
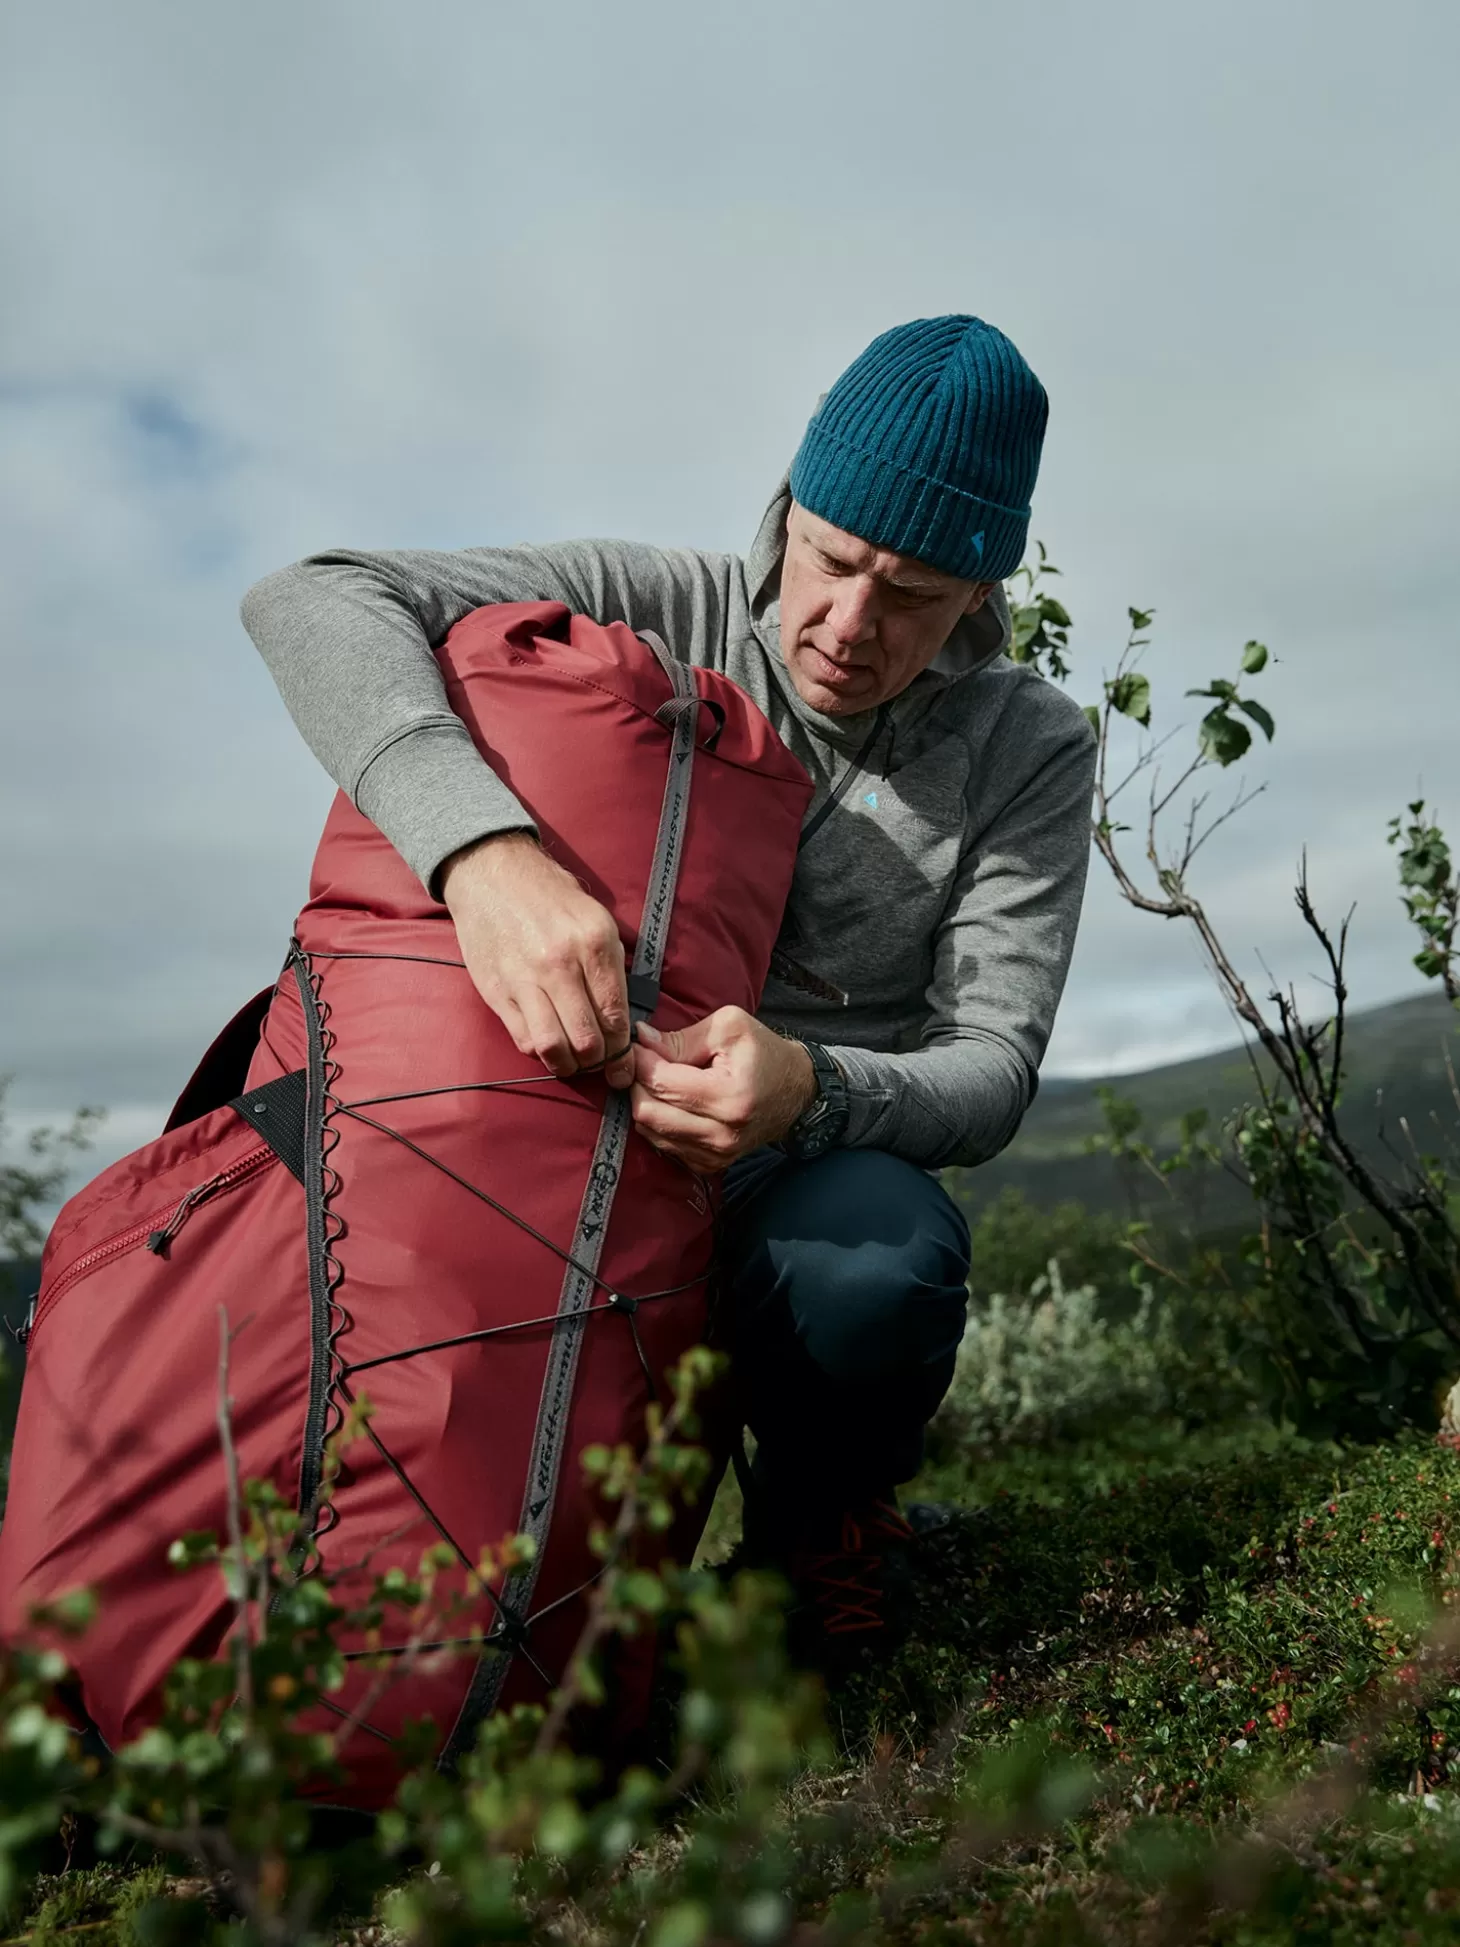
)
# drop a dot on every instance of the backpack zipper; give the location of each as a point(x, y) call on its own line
point(804, 981)
point(148, 1232)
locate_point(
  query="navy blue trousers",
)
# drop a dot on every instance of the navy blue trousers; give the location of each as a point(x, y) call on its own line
point(844, 1293)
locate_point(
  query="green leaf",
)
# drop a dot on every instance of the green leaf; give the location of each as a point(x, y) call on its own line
point(1261, 717)
point(684, 1925)
point(1221, 738)
point(1140, 618)
point(1131, 695)
point(561, 1828)
point(191, 1549)
point(1093, 715)
point(764, 1918)
point(70, 1613)
point(638, 1589)
point(1254, 657)
point(589, 1681)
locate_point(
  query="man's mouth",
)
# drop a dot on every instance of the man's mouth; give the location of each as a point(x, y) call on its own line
point(836, 675)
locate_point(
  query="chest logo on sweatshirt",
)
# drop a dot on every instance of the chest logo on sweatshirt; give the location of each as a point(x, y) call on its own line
point(871, 799)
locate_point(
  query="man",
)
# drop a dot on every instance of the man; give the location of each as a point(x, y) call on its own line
point(929, 927)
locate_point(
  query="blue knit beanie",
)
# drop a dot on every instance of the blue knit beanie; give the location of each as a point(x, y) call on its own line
point(929, 445)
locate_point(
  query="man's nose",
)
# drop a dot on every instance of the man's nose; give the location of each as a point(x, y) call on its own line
point(852, 619)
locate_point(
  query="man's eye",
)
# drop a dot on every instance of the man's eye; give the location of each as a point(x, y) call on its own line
point(831, 567)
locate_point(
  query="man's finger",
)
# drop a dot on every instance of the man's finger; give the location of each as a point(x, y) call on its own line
point(574, 1006)
point(548, 1039)
point(619, 1070)
point(662, 1121)
point(692, 1047)
point(609, 993)
point(608, 990)
point(707, 1039)
point(701, 1161)
point(698, 1090)
point(515, 1022)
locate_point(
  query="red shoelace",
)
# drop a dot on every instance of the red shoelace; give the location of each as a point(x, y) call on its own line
point(846, 1583)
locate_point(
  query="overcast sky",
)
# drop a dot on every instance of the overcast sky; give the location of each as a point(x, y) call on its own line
point(282, 276)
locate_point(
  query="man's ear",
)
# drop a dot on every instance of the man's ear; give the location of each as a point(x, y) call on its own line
point(981, 592)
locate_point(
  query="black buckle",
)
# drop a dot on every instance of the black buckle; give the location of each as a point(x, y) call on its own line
point(643, 994)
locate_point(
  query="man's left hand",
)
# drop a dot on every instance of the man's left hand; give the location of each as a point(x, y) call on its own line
point(712, 1092)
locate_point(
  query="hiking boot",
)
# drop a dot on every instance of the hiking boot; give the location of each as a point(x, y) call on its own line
point(849, 1578)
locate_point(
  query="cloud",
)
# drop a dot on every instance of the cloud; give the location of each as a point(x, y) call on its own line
point(283, 277)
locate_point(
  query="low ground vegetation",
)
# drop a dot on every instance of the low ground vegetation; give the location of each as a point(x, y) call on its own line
point(1185, 1688)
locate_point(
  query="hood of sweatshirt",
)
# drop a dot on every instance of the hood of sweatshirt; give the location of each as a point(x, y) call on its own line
point(978, 640)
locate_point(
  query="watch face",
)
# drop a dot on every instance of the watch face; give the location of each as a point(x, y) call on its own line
point(816, 1131)
point(821, 1123)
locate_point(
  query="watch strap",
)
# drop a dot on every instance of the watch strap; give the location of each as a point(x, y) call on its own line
point(823, 1121)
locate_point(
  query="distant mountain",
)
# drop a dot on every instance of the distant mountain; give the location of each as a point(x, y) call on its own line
point(1398, 1078)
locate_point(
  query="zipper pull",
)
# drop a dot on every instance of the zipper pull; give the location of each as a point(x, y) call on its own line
point(158, 1240)
point(804, 981)
point(21, 1333)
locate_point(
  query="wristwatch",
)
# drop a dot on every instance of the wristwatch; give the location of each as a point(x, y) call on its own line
point(823, 1121)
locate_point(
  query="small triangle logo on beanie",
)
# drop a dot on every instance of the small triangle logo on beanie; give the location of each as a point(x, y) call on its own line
point(977, 544)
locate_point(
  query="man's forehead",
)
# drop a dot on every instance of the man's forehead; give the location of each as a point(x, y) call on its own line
point(904, 570)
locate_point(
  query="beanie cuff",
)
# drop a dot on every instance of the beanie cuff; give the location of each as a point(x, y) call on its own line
point(891, 505)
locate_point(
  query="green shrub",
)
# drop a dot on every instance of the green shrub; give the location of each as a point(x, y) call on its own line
point(1013, 1241)
point(1050, 1364)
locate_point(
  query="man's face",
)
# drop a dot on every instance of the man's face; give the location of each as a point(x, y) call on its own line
point(858, 623)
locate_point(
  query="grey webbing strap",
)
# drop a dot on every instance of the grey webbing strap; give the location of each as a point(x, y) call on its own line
point(550, 1435)
point(678, 673)
point(664, 871)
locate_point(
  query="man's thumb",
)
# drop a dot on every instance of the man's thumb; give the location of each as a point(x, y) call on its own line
point(689, 1046)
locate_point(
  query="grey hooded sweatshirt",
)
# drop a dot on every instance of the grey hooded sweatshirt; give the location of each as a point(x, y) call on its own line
point(940, 895)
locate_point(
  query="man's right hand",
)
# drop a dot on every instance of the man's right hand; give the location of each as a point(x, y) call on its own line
point(545, 956)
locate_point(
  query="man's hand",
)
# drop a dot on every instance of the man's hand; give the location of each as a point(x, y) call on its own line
point(712, 1092)
point(545, 956)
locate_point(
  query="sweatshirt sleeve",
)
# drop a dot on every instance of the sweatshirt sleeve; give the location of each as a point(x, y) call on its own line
point(1002, 955)
point(349, 639)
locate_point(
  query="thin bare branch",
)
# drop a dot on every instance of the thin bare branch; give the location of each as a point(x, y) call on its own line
point(1146, 756)
point(242, 1578)
point(1239, 803)
point(1158, 805)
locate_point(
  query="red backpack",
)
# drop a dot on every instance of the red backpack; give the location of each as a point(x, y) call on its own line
point(396, 1204)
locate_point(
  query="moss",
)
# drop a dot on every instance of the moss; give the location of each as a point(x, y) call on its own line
point(98, 1906)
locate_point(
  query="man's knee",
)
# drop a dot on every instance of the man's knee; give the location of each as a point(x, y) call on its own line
point(864, 1256)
